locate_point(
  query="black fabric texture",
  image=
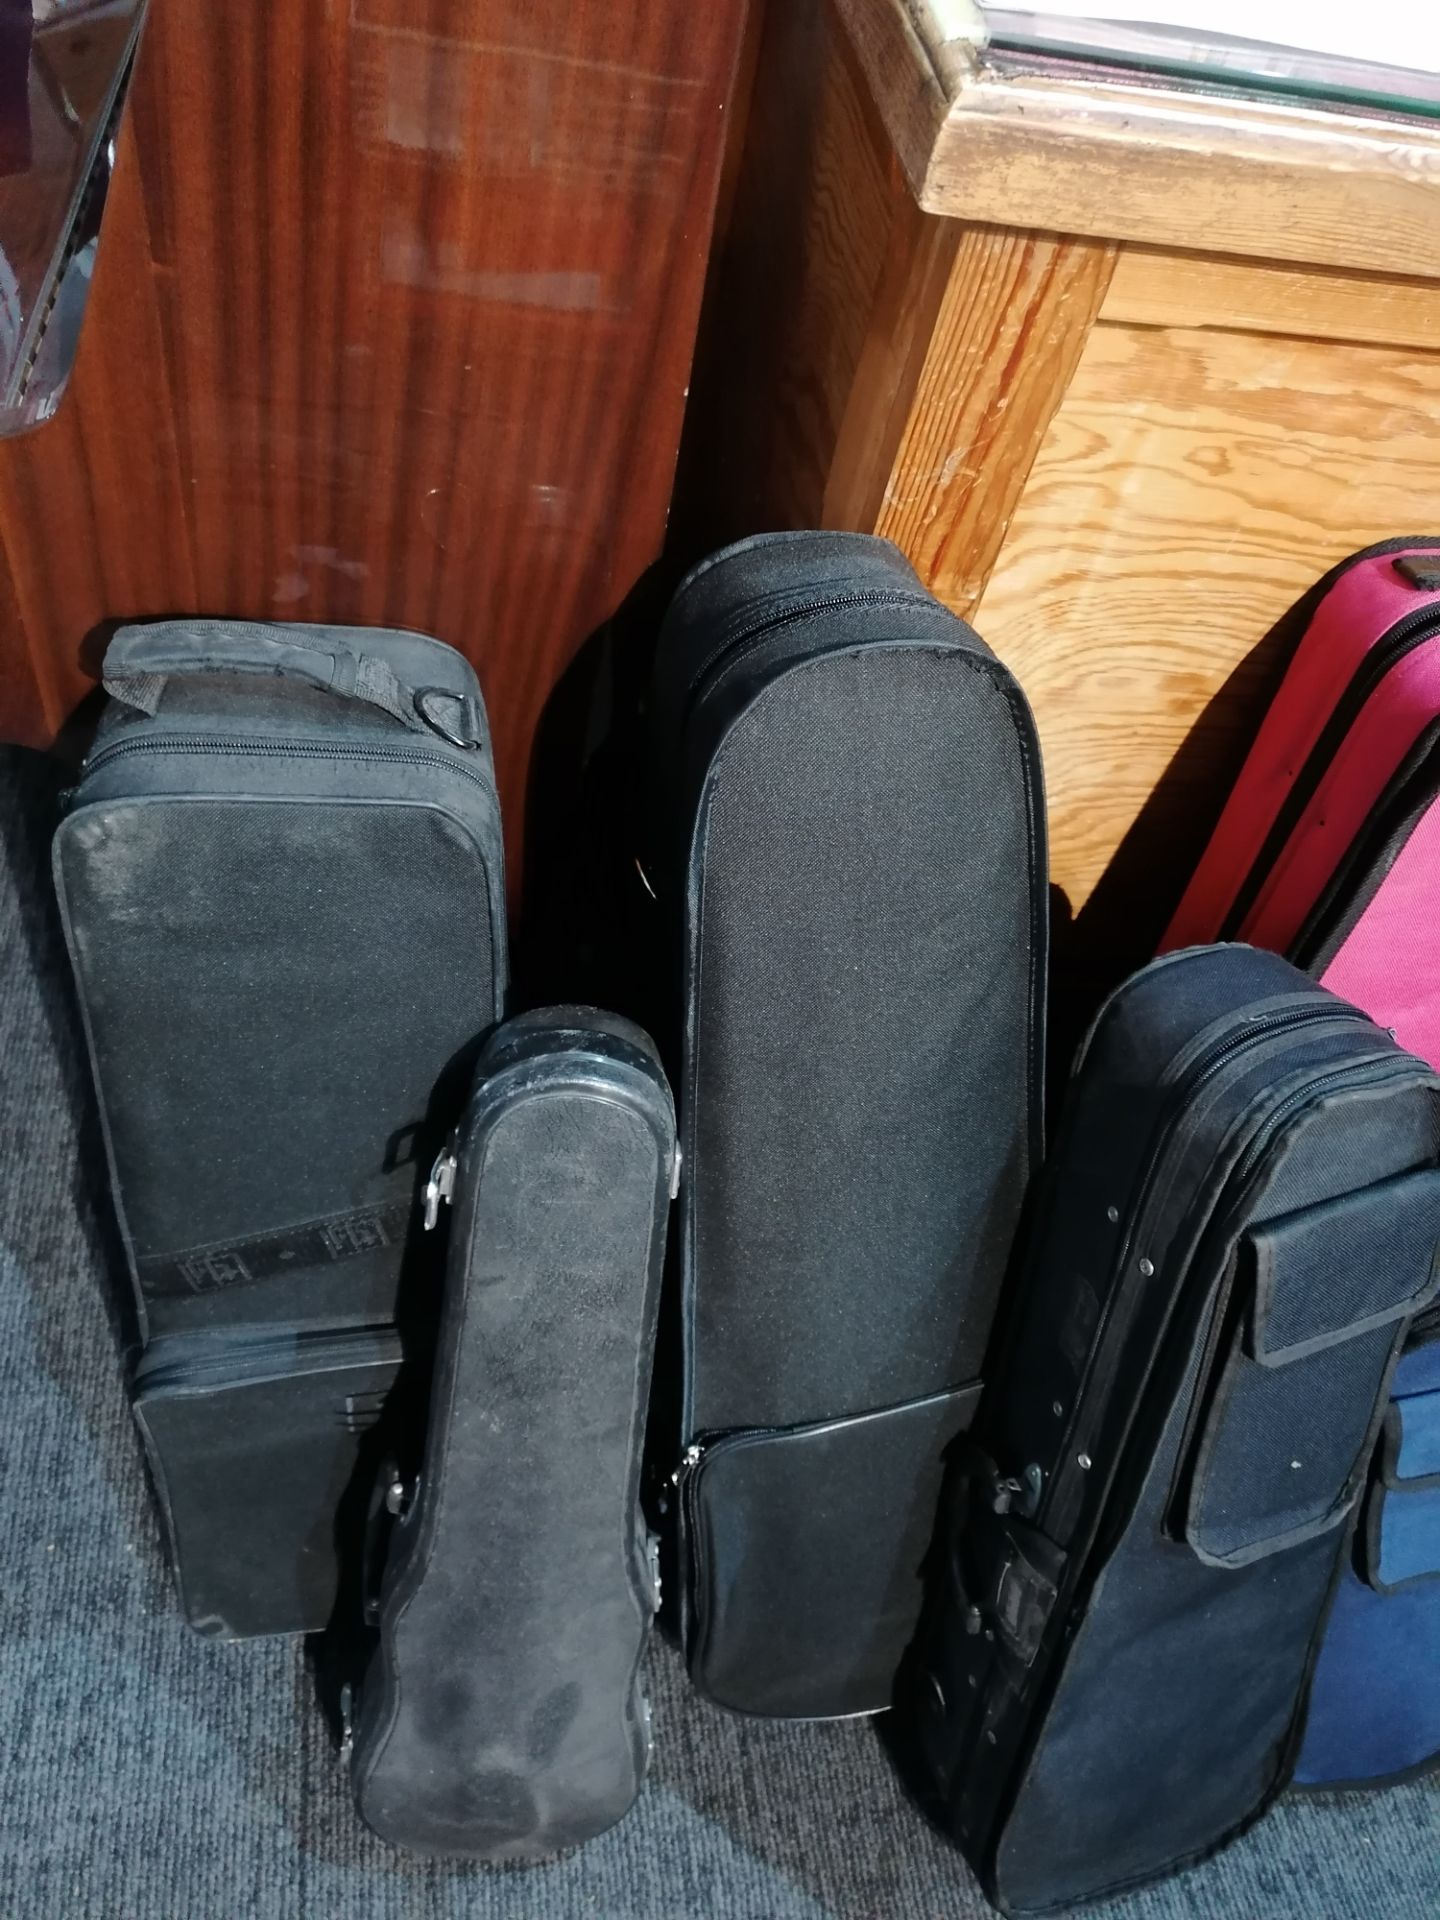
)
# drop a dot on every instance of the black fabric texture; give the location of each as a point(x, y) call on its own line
point(501, 1714)
point(860, 845)
point(1178, 1696)
point(252, 1456)
point(1160, 1713)
point(272, 990)
point(809, 1548)
point(285, 913)
point(770, 577)
point(861, 1110)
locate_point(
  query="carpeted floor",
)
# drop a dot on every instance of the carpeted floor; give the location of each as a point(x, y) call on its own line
point(149, 1775)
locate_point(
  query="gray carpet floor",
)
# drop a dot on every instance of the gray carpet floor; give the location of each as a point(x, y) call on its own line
point(149, 1775)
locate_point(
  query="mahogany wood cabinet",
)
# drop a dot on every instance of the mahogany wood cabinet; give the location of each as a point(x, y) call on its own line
point(391, 323)
point(1122, 368)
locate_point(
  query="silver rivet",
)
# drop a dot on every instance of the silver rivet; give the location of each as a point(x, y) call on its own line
point(1083, 1461)
point(1294, 1466)
point(1147, 1267)
point(1112, 1214)
point(1057, 1407)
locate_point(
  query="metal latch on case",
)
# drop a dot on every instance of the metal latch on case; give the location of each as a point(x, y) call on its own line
point(440, 1187)
point(1021, 1496)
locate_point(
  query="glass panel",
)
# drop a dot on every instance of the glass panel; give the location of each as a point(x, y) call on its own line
point(63, 69)
point(1386, 53)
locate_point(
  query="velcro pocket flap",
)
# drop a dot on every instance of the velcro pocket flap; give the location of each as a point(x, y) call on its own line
point(1328, 1293)
point(1340, 1270)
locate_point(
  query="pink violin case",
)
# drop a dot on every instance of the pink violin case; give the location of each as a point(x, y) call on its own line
point(1328, 849)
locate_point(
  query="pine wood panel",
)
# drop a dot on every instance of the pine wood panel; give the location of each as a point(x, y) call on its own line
point(392, 322)
point(1153, 286)
point(899, 337)
point(1014, 319)
point(1192, 485)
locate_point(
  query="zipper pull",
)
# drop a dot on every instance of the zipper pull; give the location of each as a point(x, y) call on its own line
point(440, 1187)
point(689, 1460)
point(675, 1176)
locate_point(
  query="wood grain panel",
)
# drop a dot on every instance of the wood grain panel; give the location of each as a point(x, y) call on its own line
point(1192, 485)
point(392, 322)
point(1013, 322)
point(908, 73)
point(898, 344)
point(1152, 287)
point(93, 508)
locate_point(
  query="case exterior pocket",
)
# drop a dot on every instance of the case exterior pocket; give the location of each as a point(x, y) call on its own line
point(1283, 1447)
point(1374, 1713)
point(254, 1444)
point(808, 1549)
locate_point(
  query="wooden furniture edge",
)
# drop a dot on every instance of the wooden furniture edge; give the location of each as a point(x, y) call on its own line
point(911, 81)
point(1121, 160)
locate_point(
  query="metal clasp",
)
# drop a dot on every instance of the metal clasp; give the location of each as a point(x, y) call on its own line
point(440, 1187)
point(1019, 1496)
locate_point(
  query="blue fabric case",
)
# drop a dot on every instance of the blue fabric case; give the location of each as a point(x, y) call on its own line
point(1375, 1700)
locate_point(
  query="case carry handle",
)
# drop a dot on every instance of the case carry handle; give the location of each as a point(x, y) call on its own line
point(139, 660)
